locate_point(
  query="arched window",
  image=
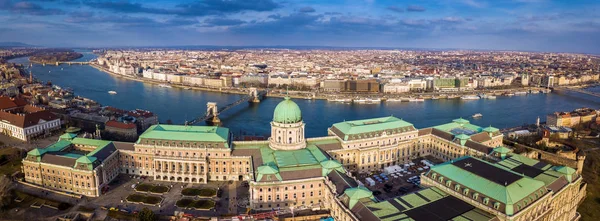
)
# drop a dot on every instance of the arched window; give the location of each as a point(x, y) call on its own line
point(497, 206)
point(486, 200)
point(290, 140)
point(475, 196)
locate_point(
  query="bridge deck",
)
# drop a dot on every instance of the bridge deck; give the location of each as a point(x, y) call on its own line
point(578, 90)
point(208, 116)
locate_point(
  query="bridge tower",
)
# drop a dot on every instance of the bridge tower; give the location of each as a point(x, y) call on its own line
point(212, 110)
point(254, 94)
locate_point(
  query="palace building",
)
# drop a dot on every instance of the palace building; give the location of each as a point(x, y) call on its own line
point(480, 179)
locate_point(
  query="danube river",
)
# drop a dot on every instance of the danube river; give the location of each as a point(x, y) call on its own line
point(178, 105)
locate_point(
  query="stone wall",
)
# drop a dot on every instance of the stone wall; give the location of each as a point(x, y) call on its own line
point(545, 156)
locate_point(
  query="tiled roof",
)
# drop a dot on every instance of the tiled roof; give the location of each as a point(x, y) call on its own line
point(481, 137)
point(120, 125)
point(25, 120)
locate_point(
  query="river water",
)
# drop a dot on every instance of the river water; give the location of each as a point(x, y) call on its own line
point(179, 105)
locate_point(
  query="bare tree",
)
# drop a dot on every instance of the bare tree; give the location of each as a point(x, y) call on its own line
point(6, 193)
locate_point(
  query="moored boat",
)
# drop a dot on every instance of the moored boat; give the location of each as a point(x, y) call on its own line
point(470, 97)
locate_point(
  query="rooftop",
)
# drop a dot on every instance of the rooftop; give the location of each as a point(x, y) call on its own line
point(429, 204)
point(186, 133)
point(80, 153)
point(494, 181)
point(358, 129)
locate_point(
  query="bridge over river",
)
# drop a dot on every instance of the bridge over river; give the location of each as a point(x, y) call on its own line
point(578, 90)
point(212, 112)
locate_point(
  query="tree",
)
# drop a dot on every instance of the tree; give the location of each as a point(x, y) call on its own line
point(147, 215)
point(6, 193)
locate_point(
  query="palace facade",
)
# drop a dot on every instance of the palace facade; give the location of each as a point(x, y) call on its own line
point(291, 171)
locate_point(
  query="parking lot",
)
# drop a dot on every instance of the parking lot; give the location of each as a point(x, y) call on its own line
point(391, 183)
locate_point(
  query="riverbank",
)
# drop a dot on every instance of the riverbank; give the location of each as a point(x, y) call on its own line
point(279, 93)
point(186, 87)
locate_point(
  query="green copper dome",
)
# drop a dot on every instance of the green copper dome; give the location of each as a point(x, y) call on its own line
point(287, 112)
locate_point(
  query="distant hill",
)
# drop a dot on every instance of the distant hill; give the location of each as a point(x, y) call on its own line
point(15, 44)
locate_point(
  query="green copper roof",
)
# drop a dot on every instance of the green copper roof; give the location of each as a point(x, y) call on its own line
point(36, 152)
point(90, 142)
point(502, 150)
point(490, 129)
point(330, 165)
point(460, 121)
point(509, 195)
point(68, 136)
point(357, 193)
point(287, 112)
point(73, 130)
point(58, 146)
point(568, 172)
point(549, 175)
point(187, 133)
point(267, 170)
point(463, 137)
point(371, 125)
point(459, 126)
point(565, 170)
point(87, 160)
point(399, 208)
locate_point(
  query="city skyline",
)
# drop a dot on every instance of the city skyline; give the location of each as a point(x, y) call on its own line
point(524, 25)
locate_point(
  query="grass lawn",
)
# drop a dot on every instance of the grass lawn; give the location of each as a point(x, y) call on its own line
point(152, 200)
point(138, 198)
point(205, 192)
point(30, 199)
point(159, 189)
point(204, 204)
point(198, 204)
point(10, 160)
point(144, 187)
point(184, 202)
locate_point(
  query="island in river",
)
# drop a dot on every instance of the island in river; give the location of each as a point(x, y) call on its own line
point(55, 56)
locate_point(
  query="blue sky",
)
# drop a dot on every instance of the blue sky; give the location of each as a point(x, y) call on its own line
point(539, 25)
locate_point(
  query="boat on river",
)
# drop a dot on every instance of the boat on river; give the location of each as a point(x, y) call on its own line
point(165, 85)
point(347, 100)
point(394, 100)
point(477, 115)
point(470, 97)
point(112, 92)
